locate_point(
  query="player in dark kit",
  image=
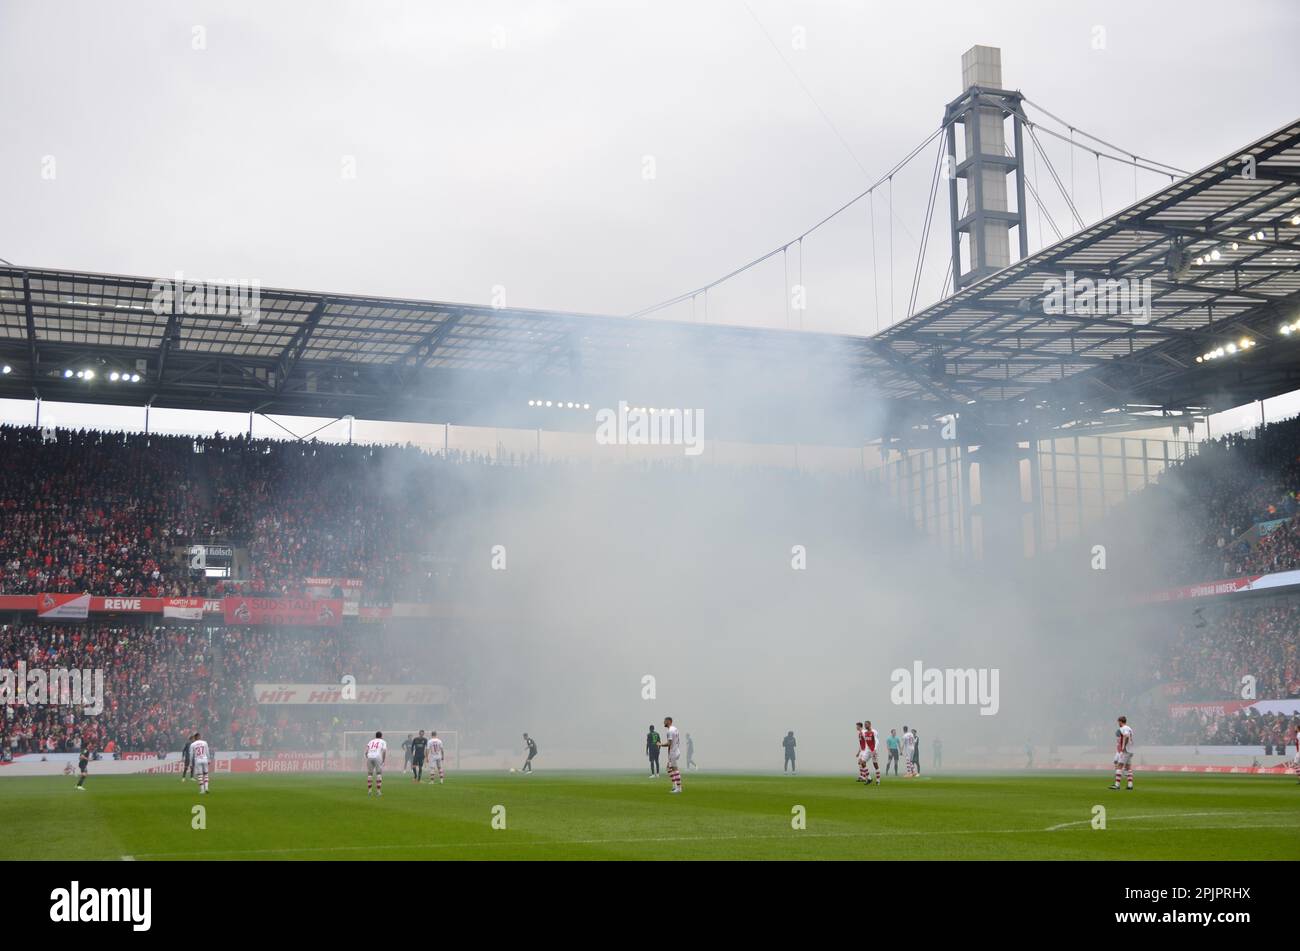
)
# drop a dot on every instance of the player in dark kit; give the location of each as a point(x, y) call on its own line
point(532, 751)
point(418, 746)
point(83, 762)
point(187, 765)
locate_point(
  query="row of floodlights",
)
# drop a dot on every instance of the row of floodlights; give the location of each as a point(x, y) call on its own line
point(1227, 350)
point(1211, 256)
point(559, 404)
point(90, 375)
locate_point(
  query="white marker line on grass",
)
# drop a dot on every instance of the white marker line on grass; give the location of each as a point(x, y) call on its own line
point(1163, 815)
point(794, 836)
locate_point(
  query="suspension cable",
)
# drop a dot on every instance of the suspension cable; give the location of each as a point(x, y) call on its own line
point(887, 177)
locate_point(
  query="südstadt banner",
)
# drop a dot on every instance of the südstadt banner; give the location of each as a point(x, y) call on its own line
point(323, 694)
point(287, 612)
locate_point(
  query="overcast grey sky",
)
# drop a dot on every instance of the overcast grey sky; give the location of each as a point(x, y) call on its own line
point(506, 143)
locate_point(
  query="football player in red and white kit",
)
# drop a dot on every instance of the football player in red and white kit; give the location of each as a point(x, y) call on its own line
point(870, 738)
point(673, 740)
point(435, 757)
point(1123, 752)
point(376, 756)
point(199, 752)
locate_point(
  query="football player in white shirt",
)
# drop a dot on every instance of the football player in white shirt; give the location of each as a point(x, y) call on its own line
point(1123, 752)
point(435, 757)
point(673, 740)
point(199, 761)
point(909, 743)
point(1295, 760)
point(376, 756)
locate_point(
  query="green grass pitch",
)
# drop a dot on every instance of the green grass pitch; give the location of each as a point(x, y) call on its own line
point(613, 815)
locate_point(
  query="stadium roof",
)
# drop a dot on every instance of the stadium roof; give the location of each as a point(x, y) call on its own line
point(1221, 252)
point(992, 347)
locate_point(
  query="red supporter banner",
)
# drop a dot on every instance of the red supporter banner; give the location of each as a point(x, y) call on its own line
point(62, 607)
point(1203, 590)
point(1279, 769)
point(283, 763)
point(1215, 707)
point(1206, 589)
point(141, 605)
point(219, 764)
point(288, 612)
point(347, 584)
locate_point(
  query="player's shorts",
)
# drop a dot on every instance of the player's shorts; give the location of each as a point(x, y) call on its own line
point(374, 765)
point(672, 759)
point(201, 766)
point(862, 757)
point(435, 760)
point(1123, 759)
point(417, 761)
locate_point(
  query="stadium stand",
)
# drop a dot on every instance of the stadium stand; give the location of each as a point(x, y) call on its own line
point(113, 514)
point(1232, 505)
point(157, 678)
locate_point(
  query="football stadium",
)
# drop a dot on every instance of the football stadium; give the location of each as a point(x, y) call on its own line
point(767, 443)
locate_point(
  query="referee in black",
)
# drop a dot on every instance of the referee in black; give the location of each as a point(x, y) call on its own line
point(418, 746)
point(83, 763)
point(788, 744)
point(187, 765)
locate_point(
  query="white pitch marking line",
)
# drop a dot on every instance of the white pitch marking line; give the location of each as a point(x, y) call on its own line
point(793, 835)
point(1163, 815)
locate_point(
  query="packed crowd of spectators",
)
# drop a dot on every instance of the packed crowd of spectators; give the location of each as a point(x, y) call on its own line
point(115, 514)
point(162, 682)
point(1207, 660)
point(1207, 657)
point(152, 682)
point(1273, 731)
point(83, 511)
point(1227, 511)
point(1209, 504)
